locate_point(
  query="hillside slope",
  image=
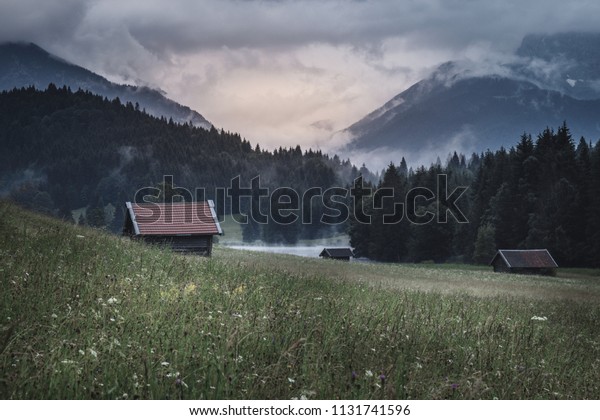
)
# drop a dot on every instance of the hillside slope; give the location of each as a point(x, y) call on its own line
point(62, 151)
point(23, 65)
point(473, 114)
point(473, 106)
point(84, 314)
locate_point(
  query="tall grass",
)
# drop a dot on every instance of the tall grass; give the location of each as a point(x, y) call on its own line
point(84, 314)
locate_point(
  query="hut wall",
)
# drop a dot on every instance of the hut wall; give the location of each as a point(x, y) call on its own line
point(328, 257)
point(192, 244)
point(535, 271)
point(500, 266)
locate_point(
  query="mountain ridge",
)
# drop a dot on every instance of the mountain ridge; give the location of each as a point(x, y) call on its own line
point(25, 64)
point(458, 108)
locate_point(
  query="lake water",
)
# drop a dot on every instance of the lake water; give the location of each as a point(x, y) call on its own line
point(302, 251)
point(312, 251)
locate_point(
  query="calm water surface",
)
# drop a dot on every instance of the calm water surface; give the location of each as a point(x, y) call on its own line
point(302, 251)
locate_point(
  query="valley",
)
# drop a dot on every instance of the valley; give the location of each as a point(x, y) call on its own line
point(87, 315)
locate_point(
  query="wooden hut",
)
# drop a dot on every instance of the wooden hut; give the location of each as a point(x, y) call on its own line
point(337, 253)
point(524, 261)
point(186, 227)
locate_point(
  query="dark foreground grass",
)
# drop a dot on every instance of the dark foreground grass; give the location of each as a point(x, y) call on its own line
point(87, 315)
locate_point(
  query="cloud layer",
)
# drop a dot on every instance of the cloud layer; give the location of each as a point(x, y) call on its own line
point(282, 72)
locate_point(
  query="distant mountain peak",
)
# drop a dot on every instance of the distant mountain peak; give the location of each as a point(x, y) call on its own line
point(568, 62)
point(25, 64)
point(470, 106)
point(578, 45)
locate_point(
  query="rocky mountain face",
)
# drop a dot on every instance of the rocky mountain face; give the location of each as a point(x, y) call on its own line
point(551, 79)
point(23, 65)
point(568, 62)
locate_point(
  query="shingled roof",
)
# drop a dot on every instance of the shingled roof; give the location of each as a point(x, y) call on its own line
point(336, 253)
point(526, 258)
point(166, 219)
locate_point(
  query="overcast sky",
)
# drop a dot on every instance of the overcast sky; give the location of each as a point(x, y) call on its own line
point(282, 72)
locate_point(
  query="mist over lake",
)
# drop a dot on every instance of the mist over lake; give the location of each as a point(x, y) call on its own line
point(302, 251)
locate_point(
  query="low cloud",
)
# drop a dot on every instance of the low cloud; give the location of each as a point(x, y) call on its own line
point(270, 69)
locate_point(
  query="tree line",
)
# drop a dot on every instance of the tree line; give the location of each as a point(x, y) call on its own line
point(76, 153)
point(542, 193)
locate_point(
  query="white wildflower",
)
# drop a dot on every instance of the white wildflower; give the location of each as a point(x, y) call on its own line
point(290, 380)
point(306, 394)
point(93, 352)
point(368, 373)
point(54, 316)
point(112, 300)
point(539, 318)
point(165, 364)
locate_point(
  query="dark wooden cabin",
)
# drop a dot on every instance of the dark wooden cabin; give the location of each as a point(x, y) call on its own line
point(186, 227)
point(337, 253)
point(524, 261)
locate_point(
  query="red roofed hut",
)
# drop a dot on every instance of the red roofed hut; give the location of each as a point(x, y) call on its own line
point(186, 227)
point(524, 261)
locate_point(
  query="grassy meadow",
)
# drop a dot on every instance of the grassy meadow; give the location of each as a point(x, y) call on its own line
point(86, 315)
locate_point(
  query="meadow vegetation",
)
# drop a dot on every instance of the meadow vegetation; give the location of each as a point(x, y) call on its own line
point(85, 314)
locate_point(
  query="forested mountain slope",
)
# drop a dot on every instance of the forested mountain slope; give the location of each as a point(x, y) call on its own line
point(62, 150)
